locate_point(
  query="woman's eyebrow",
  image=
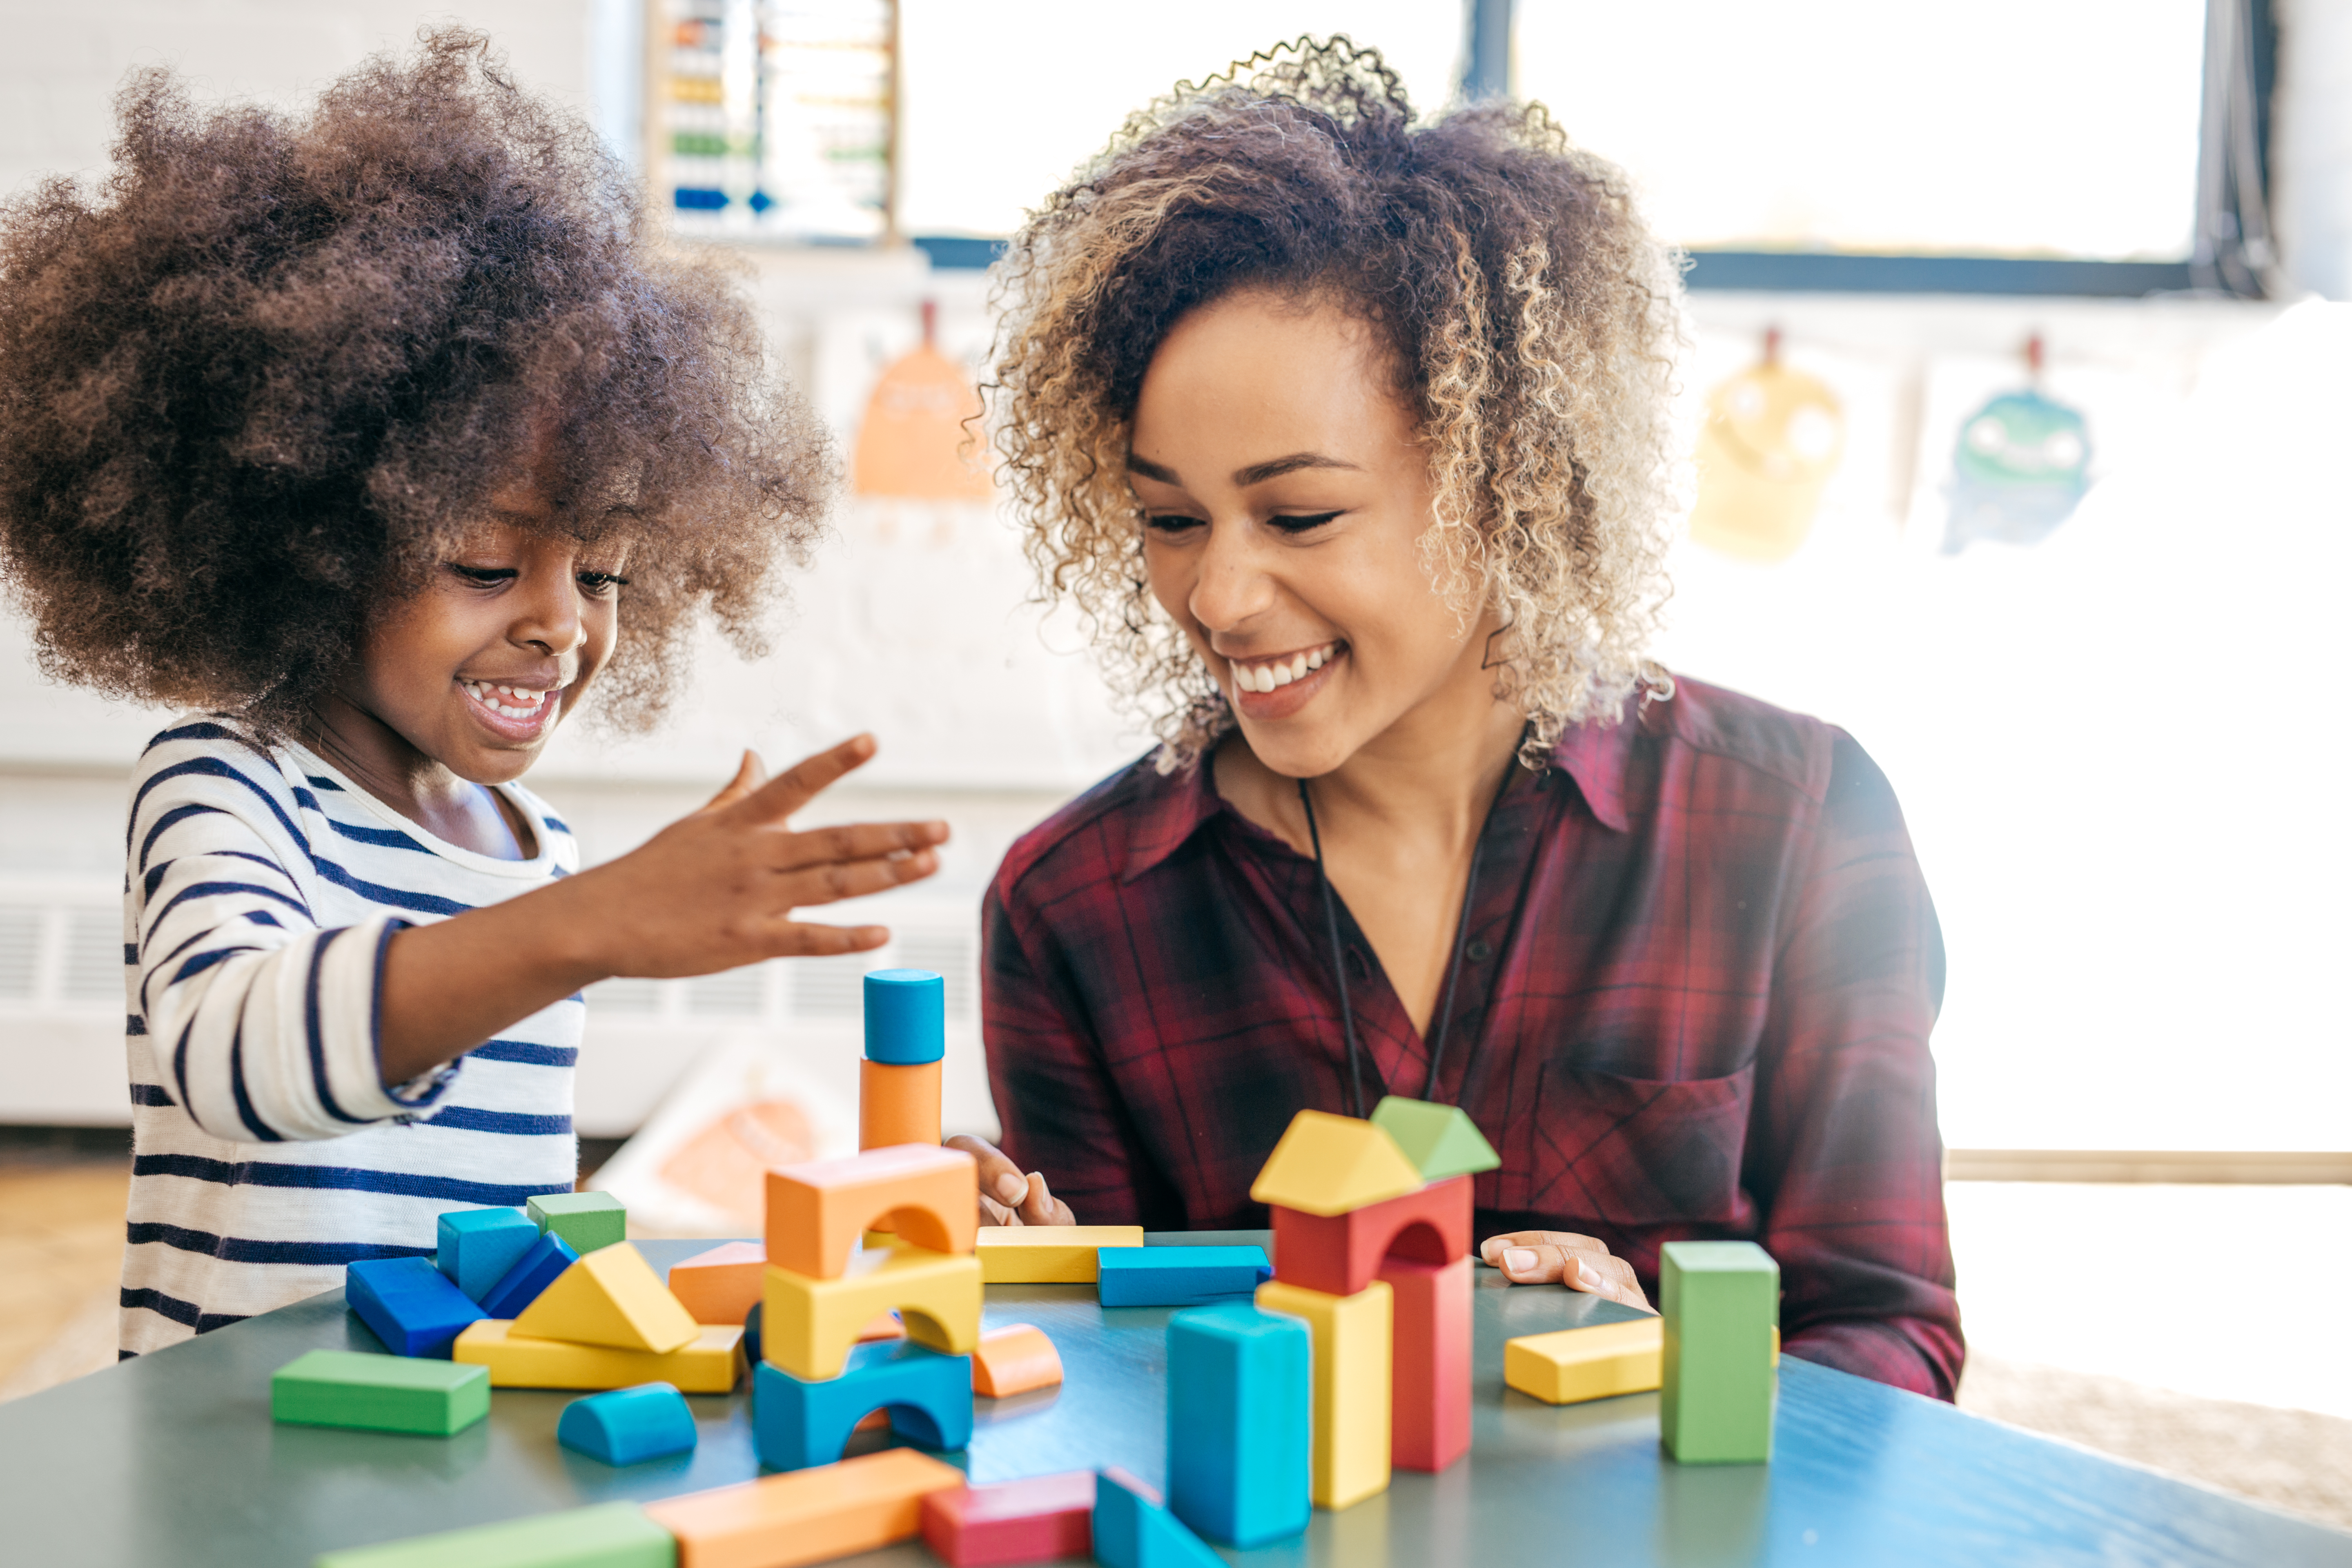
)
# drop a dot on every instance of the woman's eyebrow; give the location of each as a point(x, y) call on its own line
point(1151, 470)
point(1258, 473)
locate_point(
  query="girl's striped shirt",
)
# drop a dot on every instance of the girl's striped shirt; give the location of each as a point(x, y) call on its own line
point(262, 886)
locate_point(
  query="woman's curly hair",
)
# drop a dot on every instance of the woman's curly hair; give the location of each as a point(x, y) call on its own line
point(262, 377)
point(1529, 315)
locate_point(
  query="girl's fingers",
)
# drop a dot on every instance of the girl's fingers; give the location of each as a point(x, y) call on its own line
point(807, 779)
point(851, 880)
point(850, 842)
point(749, 775)
point(789, 938)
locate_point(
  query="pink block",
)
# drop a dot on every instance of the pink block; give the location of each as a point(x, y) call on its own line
point(1429, 1378)
point(1035, 1521)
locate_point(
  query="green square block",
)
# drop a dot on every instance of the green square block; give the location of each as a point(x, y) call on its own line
point(380, 1393)
point(1440, 1140)
point(586, 1221)
point(1721, 1300)
point(609, 1535)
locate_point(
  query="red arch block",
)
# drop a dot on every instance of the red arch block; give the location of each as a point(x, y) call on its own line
point(1339, 1253)
point(816, 1210)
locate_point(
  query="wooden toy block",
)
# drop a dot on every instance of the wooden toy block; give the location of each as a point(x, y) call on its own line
point(534, 1271)
point(627, 1425)
point(1240, 1385)
point(1013, 1359)
point(1327, 1165)
point(1133, 1529)
point(586, 1221)
point(807, 1326)
point(1339, 1253)
point(796, 1423)
point(611, 1296)
point(1440, 1140)
point(378, 1394)
point(805, 1516)
point(1598, 1361)
point(1718, 1377)
point(1047, 1254)
point(722, 1284)
point(906, 1016)
point(1035, 1521)
point(881, 1326)
point(1352, 1356)
point(1429, 1366)
point(897, 1102)
point(817, 1211)
point(709, 1364)
point(478, 1246)
point(1178, 1275)
point(608, 1536)
point(410, 1304)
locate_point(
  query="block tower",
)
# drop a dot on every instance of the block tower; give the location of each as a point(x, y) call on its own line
point(1371, 1247)
point(824, 1284)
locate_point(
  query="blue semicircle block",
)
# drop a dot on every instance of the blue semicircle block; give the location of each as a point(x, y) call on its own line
point(627, 1425)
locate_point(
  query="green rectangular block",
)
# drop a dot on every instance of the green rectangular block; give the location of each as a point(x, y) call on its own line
point(380, 1393)
point(609, 1535)
point(586, 1221)
point(1721, 1300)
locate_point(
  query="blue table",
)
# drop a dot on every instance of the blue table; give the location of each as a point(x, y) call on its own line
point(172, 1459)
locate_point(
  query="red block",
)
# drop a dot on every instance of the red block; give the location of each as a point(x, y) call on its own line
point(1429, 1376)
point(1339, 1253)
point(1034, 1520)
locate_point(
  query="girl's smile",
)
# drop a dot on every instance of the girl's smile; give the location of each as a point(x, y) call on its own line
point(515, 711)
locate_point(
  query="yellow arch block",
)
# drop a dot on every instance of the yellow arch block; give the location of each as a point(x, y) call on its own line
point(808, 1324)
point(1329, 1164)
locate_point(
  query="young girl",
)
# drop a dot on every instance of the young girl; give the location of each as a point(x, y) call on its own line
point(1349, 433)
point(383, 435)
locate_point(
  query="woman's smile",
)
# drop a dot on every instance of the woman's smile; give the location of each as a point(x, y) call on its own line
point(1276, 688)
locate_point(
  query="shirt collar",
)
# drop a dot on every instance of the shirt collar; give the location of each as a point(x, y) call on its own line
point(1174, 806)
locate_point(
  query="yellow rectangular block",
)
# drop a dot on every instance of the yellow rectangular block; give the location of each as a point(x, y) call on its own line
point(808, 1324)
point(1048, 1254)
point(1596, 1363)
point(611, 1296)
point(805, 1516)
point(1350, 1337)
point(710, 1363)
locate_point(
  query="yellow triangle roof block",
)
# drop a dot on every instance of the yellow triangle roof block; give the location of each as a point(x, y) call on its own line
point(1329, 1164)
point(611, 1296)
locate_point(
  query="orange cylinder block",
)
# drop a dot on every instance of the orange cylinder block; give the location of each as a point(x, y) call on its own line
point(898, 1104)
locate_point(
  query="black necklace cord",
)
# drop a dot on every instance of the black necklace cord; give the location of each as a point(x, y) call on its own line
point(1339, 959)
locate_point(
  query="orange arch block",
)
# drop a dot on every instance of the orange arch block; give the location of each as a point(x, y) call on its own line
point(817, 1211)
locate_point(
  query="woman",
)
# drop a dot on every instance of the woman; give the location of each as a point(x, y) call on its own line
point(1350, 437)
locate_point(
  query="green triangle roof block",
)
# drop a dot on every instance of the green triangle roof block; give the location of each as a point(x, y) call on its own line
point(1329, 1164)
point(1440, 1140)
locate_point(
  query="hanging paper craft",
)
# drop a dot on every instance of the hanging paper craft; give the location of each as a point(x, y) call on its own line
point(2023, 464)
point(1772, 437)
point(915, 444)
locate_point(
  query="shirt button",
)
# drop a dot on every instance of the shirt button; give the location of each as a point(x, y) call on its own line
point(1480, 950)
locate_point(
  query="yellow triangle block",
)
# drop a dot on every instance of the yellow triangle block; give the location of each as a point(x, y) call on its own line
point(1329, 1164)
point(611, 1296)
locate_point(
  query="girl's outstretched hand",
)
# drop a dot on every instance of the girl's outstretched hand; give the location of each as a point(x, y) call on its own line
point(1563, 1257)
point(722, 888)
point(714, 890)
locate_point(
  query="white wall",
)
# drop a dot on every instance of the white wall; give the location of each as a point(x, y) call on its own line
point(2311, 144)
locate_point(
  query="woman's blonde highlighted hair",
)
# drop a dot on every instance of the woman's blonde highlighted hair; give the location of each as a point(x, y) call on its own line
point(1528, 313)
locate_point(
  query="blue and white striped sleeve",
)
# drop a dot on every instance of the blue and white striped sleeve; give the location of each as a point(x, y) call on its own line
point(264, 1022)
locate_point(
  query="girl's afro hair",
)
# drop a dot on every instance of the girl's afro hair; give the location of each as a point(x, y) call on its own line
point(257, 381)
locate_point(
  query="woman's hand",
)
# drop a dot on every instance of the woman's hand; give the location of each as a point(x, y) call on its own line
point(1563, 1257)
point(1006, 1196)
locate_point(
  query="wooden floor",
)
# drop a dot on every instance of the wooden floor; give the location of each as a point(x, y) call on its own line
point(61, 1258)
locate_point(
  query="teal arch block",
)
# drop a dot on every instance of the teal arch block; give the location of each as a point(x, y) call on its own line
point(796, 1423)
point(626, 1426)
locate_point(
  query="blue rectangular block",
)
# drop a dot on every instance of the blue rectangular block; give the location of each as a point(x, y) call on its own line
point(796, 1423)
point(1240, 1388)
point(478, 1246)
point(548, 1255)
point(1132, 1529)
point(1179, 1275)
point(412, 1310)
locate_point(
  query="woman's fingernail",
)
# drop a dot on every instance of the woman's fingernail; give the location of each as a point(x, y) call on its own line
point(1011, 1188)
point(1585, 1277)
point(1519, 1261)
